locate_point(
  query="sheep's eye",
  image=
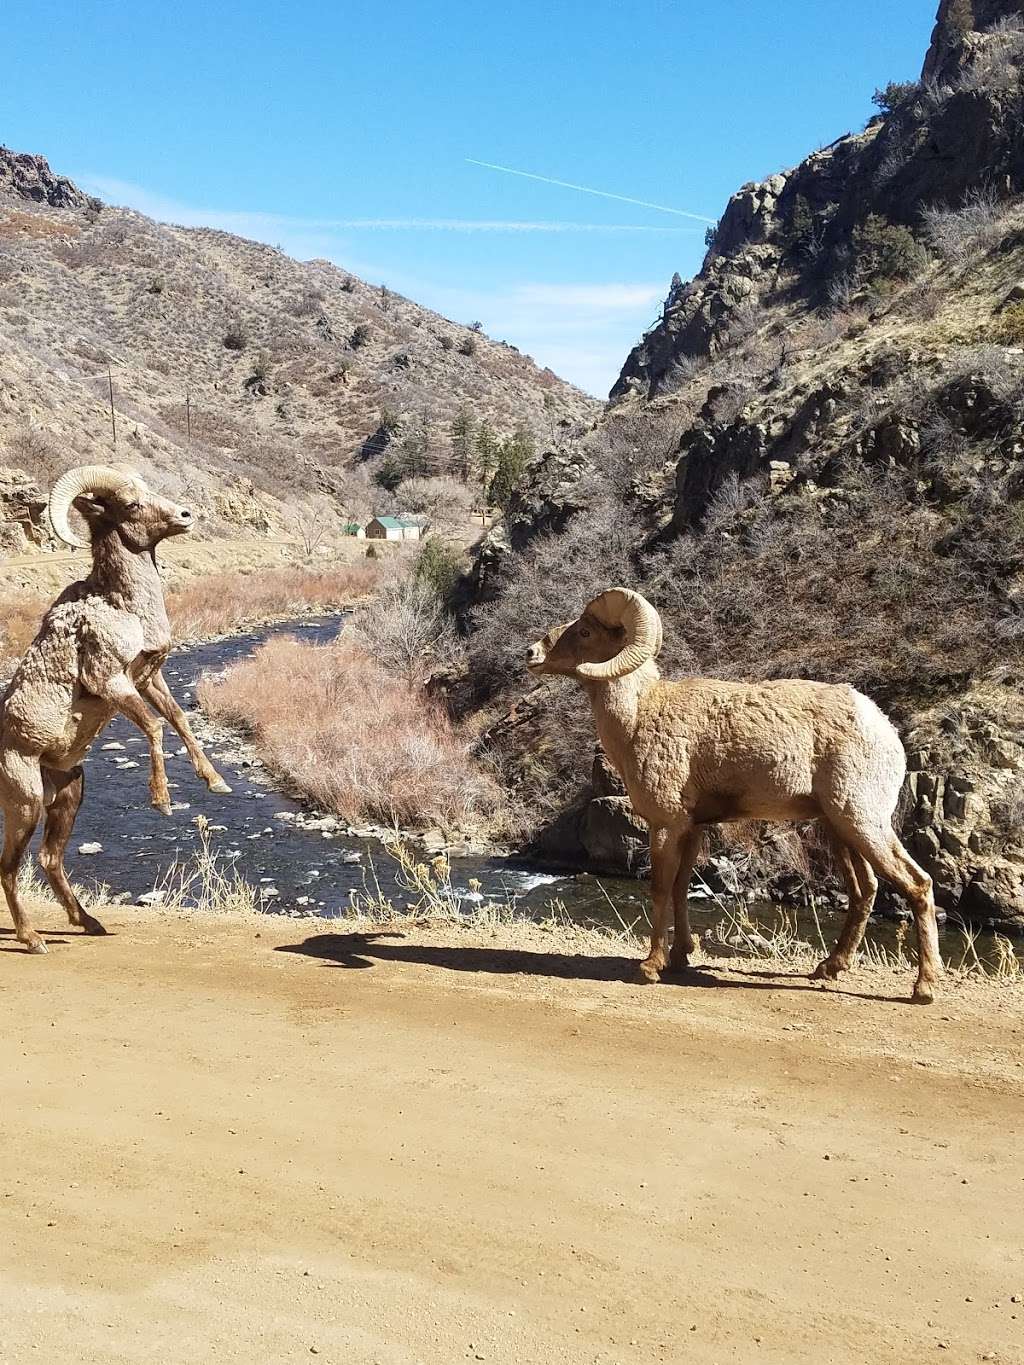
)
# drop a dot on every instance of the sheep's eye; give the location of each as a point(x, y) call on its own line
point(134, 506)
point(584, 634)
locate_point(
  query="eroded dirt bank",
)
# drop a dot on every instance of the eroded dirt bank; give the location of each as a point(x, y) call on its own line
point(251, 1140)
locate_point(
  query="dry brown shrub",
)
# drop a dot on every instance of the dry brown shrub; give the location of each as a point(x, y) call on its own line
point(217, 603)
point(40, 453)
point(352, 738)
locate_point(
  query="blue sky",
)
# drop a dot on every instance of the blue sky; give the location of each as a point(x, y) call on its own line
point(343, 130)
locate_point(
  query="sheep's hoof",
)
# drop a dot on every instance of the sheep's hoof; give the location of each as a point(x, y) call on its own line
point(648, 973)
point(679, 955)
point(92, 926)
point(35, 945)
point(924, 993)
point(164, 807)
point(825, 971)
point(219, 786)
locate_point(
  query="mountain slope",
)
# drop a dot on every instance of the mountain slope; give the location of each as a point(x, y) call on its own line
point(284, 369)
point(814, 466)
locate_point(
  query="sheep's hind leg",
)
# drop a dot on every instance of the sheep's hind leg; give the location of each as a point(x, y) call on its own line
point(66, 792)
point(683, 941)
point(861, 886)
point(665, 855)
point(22, 790)
point(160, 696)
point(891, 860)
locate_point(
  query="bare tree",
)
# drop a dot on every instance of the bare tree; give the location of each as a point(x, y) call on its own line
point(406, 629)
point(312, 522)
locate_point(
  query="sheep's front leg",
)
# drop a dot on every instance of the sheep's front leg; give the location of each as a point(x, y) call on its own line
point(683, 941)
point(121, 692)
point(665, 858)
point(159, 695)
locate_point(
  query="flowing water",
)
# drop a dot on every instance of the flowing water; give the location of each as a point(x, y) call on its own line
point(299, 870)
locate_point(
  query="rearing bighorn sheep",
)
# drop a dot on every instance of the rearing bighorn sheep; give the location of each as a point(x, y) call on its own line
point(699, 751)
point(99, 651)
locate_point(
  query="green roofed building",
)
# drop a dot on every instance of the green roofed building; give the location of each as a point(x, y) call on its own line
point(393, 528)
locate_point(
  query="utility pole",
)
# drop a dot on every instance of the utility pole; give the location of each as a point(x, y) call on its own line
point(113, 419)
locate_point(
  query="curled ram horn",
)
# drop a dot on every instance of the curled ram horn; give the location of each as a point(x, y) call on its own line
point(642, 624)
point(90, 478)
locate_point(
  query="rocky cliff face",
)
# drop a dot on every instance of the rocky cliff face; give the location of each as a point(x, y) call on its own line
point(955, 39)
point(29, 177)
point(840, 493)
point(958, 132)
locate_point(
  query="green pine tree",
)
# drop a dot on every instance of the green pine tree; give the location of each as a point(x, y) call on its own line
point(464, 443)
point(513, 455)
point(487, 447)
point(389, 473)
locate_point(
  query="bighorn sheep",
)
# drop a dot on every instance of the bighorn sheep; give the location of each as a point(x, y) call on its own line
point(99, 651)
point(700, 751)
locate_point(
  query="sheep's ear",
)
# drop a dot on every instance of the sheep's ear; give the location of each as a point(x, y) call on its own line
point(90, 502)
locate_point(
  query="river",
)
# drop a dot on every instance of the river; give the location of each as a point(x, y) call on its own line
point(299, 870)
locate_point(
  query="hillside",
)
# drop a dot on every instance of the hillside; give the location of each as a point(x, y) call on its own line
point(812, 465)
point(294, 377)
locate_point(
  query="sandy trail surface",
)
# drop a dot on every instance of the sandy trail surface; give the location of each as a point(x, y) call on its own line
point(242, 1140)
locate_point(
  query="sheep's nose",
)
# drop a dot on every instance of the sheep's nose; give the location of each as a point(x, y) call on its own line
point(184, 516)
point(534, 655)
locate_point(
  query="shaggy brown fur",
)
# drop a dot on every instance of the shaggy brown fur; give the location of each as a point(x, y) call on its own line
point(99, 651)
point(700, 751)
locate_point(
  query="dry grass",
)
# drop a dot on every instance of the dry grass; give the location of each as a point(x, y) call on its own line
point(15, 223)
point(218, 603)
point(351, 737)
point(215, 604)
point(20, 615)
point(781, 943)
point(208, 881)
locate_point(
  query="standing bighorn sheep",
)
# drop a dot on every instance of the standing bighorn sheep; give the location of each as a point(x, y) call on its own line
point(700, 751)
point(99, 651)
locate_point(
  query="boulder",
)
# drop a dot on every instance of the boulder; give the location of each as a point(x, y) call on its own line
point(995, 893)
point(612, 836)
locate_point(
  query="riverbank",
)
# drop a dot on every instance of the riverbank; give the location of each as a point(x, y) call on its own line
point(214, 590)
point(427, 1145)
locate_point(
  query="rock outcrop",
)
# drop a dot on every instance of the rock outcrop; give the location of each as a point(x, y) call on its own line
point(30, 177)
point(955, 36)
point(22, 512)
point(791, 234)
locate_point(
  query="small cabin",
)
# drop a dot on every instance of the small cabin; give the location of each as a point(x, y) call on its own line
point(357, 529)
point(392, 528)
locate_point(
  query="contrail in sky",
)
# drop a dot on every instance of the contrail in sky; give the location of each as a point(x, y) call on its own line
point(485, 225)
point(585, 189)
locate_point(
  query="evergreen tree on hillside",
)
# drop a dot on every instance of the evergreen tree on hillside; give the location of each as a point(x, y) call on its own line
point(463, 435)
point(487, 447)
point(389, 473)
point(513, 455)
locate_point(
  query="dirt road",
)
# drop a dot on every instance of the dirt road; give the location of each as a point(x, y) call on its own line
point(270, 1142)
